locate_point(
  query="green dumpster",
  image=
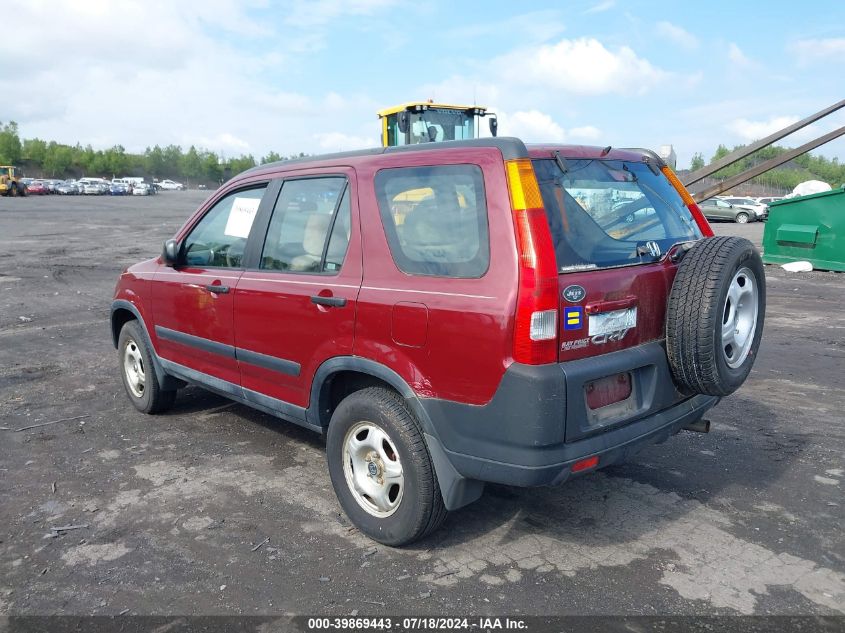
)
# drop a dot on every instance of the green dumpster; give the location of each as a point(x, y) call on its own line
point(808, 228)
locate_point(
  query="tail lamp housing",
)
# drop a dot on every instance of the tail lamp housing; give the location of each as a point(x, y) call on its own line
point(536, 319)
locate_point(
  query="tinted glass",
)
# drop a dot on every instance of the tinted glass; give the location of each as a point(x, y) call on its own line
point(219, 238)
point(302, 220)
point(435, 219)
point(602, 213)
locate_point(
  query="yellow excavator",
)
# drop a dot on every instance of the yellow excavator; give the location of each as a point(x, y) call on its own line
point(429, 122)
point(10, 181)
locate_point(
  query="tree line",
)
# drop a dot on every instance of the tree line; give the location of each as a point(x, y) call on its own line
point(56, 160)
point(785, 177)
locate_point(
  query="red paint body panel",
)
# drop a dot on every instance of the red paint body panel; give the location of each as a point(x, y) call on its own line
point(181, 302)
point(410, 324)
point(469, 337)
point(274, 315)
point(645, 286)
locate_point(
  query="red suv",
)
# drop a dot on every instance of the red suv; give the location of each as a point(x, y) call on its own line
point(449, 314)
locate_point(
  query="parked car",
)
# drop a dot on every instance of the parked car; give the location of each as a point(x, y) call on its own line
point(767, 200)
point(171, 185)
point(118, 189)
point(37, 188)
point(761, 211)
point(449, 315)
point(141, 189)
point(92, 189)
point(67, 188)
point(718, 209)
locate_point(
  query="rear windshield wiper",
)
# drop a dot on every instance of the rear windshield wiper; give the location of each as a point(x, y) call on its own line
point(561, 162)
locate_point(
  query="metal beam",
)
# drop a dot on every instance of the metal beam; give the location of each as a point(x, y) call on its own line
point(741, 153)
point(748, 174)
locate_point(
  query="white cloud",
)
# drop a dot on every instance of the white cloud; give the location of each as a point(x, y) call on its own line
point(226, 143)
point(601, 7)
point(145, 72)
point(309, 13)
point(534, 126)
point(810, 50)
point(531, 126)
point(754, 130)
point(677, 35)
point(738, 58)
point(582, 66)
point(340, 142)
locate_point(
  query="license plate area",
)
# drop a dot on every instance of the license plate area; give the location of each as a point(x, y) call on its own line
point(611, 399)
point(614, 323)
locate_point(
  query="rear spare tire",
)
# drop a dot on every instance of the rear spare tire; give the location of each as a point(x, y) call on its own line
point(714, 318)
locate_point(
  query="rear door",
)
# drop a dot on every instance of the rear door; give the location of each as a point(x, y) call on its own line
point(193, 302)
point(612, 222)
point(295, 308)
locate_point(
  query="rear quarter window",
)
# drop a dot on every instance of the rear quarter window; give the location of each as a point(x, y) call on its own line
point(435, 219)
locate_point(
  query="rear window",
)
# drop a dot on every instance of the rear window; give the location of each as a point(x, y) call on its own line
point(435, 219)
point(605, 213)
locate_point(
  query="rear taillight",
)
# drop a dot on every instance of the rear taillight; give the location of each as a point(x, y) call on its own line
point(700, 220)
point(536, 322)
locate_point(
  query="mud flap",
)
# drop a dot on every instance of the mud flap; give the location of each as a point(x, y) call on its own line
point(457, 491)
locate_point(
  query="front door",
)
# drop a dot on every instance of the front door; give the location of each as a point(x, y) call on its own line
point(297, 309)
point(193, 302)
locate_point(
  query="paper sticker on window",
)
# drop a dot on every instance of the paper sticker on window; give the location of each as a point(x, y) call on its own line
point(241, 217)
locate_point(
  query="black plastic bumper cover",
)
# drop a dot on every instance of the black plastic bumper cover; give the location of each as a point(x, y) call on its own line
point(520, 437)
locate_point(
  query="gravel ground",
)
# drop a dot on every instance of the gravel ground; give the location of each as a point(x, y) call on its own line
point(746, 519)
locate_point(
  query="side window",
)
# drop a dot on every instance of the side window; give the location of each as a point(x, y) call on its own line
point(435, 219)
point(309, 230)
point(219, 238)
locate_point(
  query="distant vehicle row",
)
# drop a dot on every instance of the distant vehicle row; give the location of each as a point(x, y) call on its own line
point(737, 209)
point(98, 186)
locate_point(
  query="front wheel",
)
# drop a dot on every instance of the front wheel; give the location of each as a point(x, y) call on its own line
point(742, 218)
point(136, 369)
point(381, 470)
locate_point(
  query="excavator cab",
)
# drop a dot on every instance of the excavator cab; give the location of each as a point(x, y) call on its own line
point(429, 122)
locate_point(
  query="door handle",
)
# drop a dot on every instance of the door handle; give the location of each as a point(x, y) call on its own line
point(217, 289)
point(337, 302)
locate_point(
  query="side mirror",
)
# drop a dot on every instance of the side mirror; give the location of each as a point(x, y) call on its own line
point(494, 125)
point(170, 253)
point(404, 120)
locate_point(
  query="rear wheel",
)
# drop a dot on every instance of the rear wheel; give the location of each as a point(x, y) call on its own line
point(715, 314)
point(741, 218)
point(136, 369)
point(381, 470)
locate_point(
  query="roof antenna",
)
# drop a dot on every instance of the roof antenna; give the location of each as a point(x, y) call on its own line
point(606, 150)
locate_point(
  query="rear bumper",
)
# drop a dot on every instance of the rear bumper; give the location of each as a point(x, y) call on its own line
point(537, 424)
point(609, 446)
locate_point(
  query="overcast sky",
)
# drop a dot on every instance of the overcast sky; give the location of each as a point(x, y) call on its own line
point(248, 76)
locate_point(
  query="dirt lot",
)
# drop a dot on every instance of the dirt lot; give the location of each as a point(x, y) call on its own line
point(746, 519)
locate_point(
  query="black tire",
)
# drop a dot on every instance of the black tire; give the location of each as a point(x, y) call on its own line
point(22, 191)
point(420, 511)
point(151, 398)
point(742, 218)
point(698, 310)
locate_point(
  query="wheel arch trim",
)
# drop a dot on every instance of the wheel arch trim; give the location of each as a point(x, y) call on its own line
point(457, 491)
point(162, 377)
